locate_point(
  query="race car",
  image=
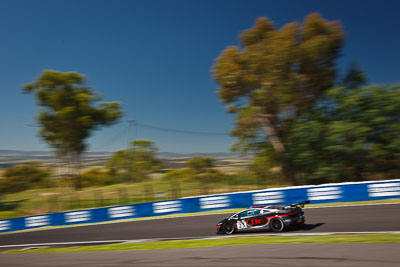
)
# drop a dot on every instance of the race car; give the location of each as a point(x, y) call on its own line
point(269, 218)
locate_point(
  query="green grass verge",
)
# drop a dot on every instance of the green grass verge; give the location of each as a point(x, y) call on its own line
point(364, 238)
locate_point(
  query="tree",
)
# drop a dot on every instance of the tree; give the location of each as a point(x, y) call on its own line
point(273, 77)
point(353, 136)
point(96, 177)
point(70, 113)
point(144, 159)
point(178, 175)
point(136, 162)
point(354, 77)
point(203, 169)
point(24, 177)
point(119, 163)
point(201, 164)
point(264, 168)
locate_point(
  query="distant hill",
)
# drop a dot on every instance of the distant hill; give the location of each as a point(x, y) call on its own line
point(28, 153)
point(23, 152)
point(172, 160)
point(38, 153)
point(10, 158)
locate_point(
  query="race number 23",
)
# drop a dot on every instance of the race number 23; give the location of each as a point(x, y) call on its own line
point(241, 224)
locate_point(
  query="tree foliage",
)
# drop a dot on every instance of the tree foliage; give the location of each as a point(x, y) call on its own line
point(355, 135)
point(202, 169)
point(96, 177)
point(136, 162)
point(201, 164)
point(70, 111)
point(354, 77)
point(179, 175)
point(264, 167)
point(145, 158)
point(119, 163)
point(273, 77)
point(24, 177)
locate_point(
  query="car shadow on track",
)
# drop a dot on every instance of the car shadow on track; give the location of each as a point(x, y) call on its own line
point(309, 227)
point(304, 227)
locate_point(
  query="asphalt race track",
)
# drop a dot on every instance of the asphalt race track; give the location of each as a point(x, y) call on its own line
point(273, 255)
point(364, 218)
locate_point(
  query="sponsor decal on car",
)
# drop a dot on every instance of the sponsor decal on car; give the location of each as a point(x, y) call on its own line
point(214, 202)
point(167, 206)
point(324, 193)
point(119, 212)
point(77, 216)
point(268, 197)
point(36, 221)
point(257, 221)
point(384, 190)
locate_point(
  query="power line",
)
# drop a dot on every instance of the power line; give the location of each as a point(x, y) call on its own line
point(180, 131)
point(133, 125)
point(116, 138)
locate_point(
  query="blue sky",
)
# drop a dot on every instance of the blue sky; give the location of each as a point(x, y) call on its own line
point(155, 57)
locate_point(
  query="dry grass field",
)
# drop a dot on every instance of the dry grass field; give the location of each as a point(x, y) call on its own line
point(64, 197)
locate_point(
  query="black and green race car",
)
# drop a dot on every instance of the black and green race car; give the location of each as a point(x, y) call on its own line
point(269, 218)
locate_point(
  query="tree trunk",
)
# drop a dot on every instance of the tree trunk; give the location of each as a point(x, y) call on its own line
point(288, 170)
point(271, 132)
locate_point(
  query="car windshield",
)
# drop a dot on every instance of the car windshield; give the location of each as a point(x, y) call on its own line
point(247, 213)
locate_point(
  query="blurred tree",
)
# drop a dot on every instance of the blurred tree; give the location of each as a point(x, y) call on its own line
point(69, 113)
point(179, 175)
point(96, 177)
point(24, 177)
point(354, 136)
point(201, 164)
point(354, 77)
point(273, 77)
point(145, 161)
point(119, 163)
point(202, 169)
point(264, 167)
point(137, 162)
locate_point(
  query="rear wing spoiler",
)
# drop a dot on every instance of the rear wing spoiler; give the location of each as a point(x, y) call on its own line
point(300, 204)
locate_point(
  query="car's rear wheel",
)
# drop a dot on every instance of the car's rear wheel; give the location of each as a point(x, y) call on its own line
point(228, 228)
point(277, 225)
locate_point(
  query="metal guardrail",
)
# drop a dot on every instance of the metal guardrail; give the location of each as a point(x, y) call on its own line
point(325, 193)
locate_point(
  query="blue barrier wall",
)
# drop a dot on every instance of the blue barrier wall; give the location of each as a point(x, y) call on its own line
point(326, 193)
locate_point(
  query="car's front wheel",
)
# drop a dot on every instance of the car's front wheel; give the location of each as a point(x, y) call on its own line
point(277, 225)
point(228, 228)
